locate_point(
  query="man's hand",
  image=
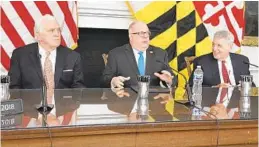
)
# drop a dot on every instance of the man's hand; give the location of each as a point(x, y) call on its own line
point(165, 76)
point(220, 111)
point(122, 93)
point(117, 82)
point(164, 96)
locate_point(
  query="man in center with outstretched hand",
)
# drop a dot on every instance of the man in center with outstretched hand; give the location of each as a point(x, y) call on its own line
point(126, 62)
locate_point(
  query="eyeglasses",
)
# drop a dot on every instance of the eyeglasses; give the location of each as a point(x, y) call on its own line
point(143, 34)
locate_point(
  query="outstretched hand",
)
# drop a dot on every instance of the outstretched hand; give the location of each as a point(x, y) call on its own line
point(118, 82)
point(165, 76)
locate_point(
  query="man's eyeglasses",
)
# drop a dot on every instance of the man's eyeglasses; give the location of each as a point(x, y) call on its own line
point(143, 34)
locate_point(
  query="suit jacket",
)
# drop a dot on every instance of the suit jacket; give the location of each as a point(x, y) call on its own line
point(26, 73)
point(210, 68)
point(121, 62)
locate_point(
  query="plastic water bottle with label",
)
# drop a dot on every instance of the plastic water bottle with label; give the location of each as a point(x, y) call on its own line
point(197, 89)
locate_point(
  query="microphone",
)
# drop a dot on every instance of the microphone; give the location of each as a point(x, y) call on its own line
point(245, 62)
point(43, 108)
point(187, 87)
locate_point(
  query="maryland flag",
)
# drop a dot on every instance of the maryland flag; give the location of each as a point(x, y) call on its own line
point(187, 28)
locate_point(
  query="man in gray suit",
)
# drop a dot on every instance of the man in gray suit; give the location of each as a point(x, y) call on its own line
point(137, 58)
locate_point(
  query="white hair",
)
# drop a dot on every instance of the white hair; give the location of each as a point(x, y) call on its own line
point(38, 24)
point(226, 35)
point(134, 23)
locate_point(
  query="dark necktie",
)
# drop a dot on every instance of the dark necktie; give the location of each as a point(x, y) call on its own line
point(141, 67)
point(226, 80)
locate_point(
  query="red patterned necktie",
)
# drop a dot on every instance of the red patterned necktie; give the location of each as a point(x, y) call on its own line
point(67, 118)
point(226, 80)
point(49, 77)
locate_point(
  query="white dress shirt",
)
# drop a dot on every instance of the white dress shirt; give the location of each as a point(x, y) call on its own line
point(232, 81)
point(229, 67)
point(52, 57)
point(227, 97)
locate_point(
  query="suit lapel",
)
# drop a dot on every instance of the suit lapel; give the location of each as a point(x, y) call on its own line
point(35, 60)
point(60, 61)
point(235, 66)
point(131, 59)
point(214, 65)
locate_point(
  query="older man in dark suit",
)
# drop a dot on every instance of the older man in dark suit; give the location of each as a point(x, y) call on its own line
point(45, 62)
point(222, 68)
point(137, 58)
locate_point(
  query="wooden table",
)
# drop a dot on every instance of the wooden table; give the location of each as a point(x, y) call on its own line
point(159, 132)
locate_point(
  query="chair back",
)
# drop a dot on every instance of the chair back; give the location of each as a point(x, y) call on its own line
point(188, 61)
point(105, 58)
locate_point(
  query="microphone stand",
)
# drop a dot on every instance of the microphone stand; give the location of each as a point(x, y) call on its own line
point(44, 119)
point(190, 102)
point(251, 64)
point(43, 108)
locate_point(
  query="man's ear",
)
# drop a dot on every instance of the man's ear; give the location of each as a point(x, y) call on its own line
point(130, 37)
point(37, 36)
point(230, 46)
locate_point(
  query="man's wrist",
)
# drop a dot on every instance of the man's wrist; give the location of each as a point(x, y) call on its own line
point(112, 83)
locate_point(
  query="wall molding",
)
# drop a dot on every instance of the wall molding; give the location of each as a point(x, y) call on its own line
point(109, 15)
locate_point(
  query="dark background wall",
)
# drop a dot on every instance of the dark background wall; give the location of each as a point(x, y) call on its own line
point(251, 18)
point(92, 44)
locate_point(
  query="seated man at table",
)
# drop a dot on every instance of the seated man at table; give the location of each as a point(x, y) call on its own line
point(221, 68)
point(137, 58)
point(45, 62)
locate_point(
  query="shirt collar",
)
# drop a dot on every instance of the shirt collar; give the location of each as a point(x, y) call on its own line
point(227, 60)
point(137, 51)
point(42, 51)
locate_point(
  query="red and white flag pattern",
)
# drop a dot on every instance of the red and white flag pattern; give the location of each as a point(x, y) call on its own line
point(223, 15)
point(17, 22)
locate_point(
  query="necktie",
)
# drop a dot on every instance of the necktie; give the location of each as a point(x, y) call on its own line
point(49, 78)
point(226, 80)
point(67, 118)
point(141, 67)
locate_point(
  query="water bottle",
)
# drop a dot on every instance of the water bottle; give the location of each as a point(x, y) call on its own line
point(4, 87)
point(197, 86)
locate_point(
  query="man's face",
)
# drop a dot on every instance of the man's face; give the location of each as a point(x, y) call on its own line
point(139, 36)
point(50, 34)
point(221, 48)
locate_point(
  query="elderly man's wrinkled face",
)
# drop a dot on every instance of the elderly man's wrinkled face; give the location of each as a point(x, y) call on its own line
point(139, 36)
point(50, 35)
point(221, 48)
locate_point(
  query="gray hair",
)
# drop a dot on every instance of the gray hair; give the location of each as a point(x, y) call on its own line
point(226, 35)
point(38, 24)
point(133, 24)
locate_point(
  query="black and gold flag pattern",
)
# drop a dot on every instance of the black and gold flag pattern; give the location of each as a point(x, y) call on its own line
point(177, 28)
